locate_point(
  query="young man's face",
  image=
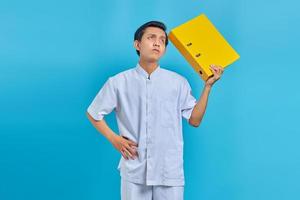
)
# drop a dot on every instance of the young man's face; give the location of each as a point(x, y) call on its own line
point(152, 45)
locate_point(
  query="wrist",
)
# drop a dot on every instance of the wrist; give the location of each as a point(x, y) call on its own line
point(207, 86)
point(111, 137)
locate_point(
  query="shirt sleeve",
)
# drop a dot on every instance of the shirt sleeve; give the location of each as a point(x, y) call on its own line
point(188, 101)
point(104, 102)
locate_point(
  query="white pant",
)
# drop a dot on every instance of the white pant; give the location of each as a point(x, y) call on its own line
point(133, 191)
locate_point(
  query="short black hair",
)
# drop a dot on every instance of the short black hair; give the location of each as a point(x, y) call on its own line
point(141, 30)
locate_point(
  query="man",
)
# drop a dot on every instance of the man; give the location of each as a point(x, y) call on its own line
point(150, 102)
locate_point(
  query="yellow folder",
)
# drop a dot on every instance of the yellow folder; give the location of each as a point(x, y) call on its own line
point(201, 44)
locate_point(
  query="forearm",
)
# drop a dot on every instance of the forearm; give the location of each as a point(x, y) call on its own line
point(103, 128)
point(199, 109)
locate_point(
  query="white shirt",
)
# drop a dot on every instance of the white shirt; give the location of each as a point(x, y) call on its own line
point(149, 111)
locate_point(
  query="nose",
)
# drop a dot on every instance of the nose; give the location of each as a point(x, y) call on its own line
point(156, 43)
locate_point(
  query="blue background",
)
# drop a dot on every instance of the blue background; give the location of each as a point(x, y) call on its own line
point(56, 55)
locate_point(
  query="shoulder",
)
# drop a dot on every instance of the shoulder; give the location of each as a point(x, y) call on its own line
point(120, 76)
point(174, 76)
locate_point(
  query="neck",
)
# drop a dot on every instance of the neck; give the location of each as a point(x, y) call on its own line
point(148, 66)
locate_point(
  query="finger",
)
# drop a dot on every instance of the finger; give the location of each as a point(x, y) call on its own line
point(219, 70)
point(216, 73)
point(127, 152)
point(222, 69)
point(132, 143)
point(131, 146)
point(135, 148)
point(129, 141)
point(217, 67)
point(124, 155)
point(132, 151)
point(213, 69)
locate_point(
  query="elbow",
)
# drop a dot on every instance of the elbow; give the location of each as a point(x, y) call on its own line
point(194, 123)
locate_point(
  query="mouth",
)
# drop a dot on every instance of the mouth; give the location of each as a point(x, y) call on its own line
point(156, 50)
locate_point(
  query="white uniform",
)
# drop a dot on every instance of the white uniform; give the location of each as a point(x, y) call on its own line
point(134, 191)
point(149, 111)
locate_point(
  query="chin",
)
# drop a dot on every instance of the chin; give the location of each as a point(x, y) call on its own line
point(153, 58)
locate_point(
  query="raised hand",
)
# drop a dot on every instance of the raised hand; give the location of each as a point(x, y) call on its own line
point(217, 73)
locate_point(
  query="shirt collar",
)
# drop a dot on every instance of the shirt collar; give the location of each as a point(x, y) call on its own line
point(144, 73)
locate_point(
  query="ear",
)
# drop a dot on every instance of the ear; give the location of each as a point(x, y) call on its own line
point(136, 45)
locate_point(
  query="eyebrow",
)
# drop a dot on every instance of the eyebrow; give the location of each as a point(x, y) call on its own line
point(164, 37)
